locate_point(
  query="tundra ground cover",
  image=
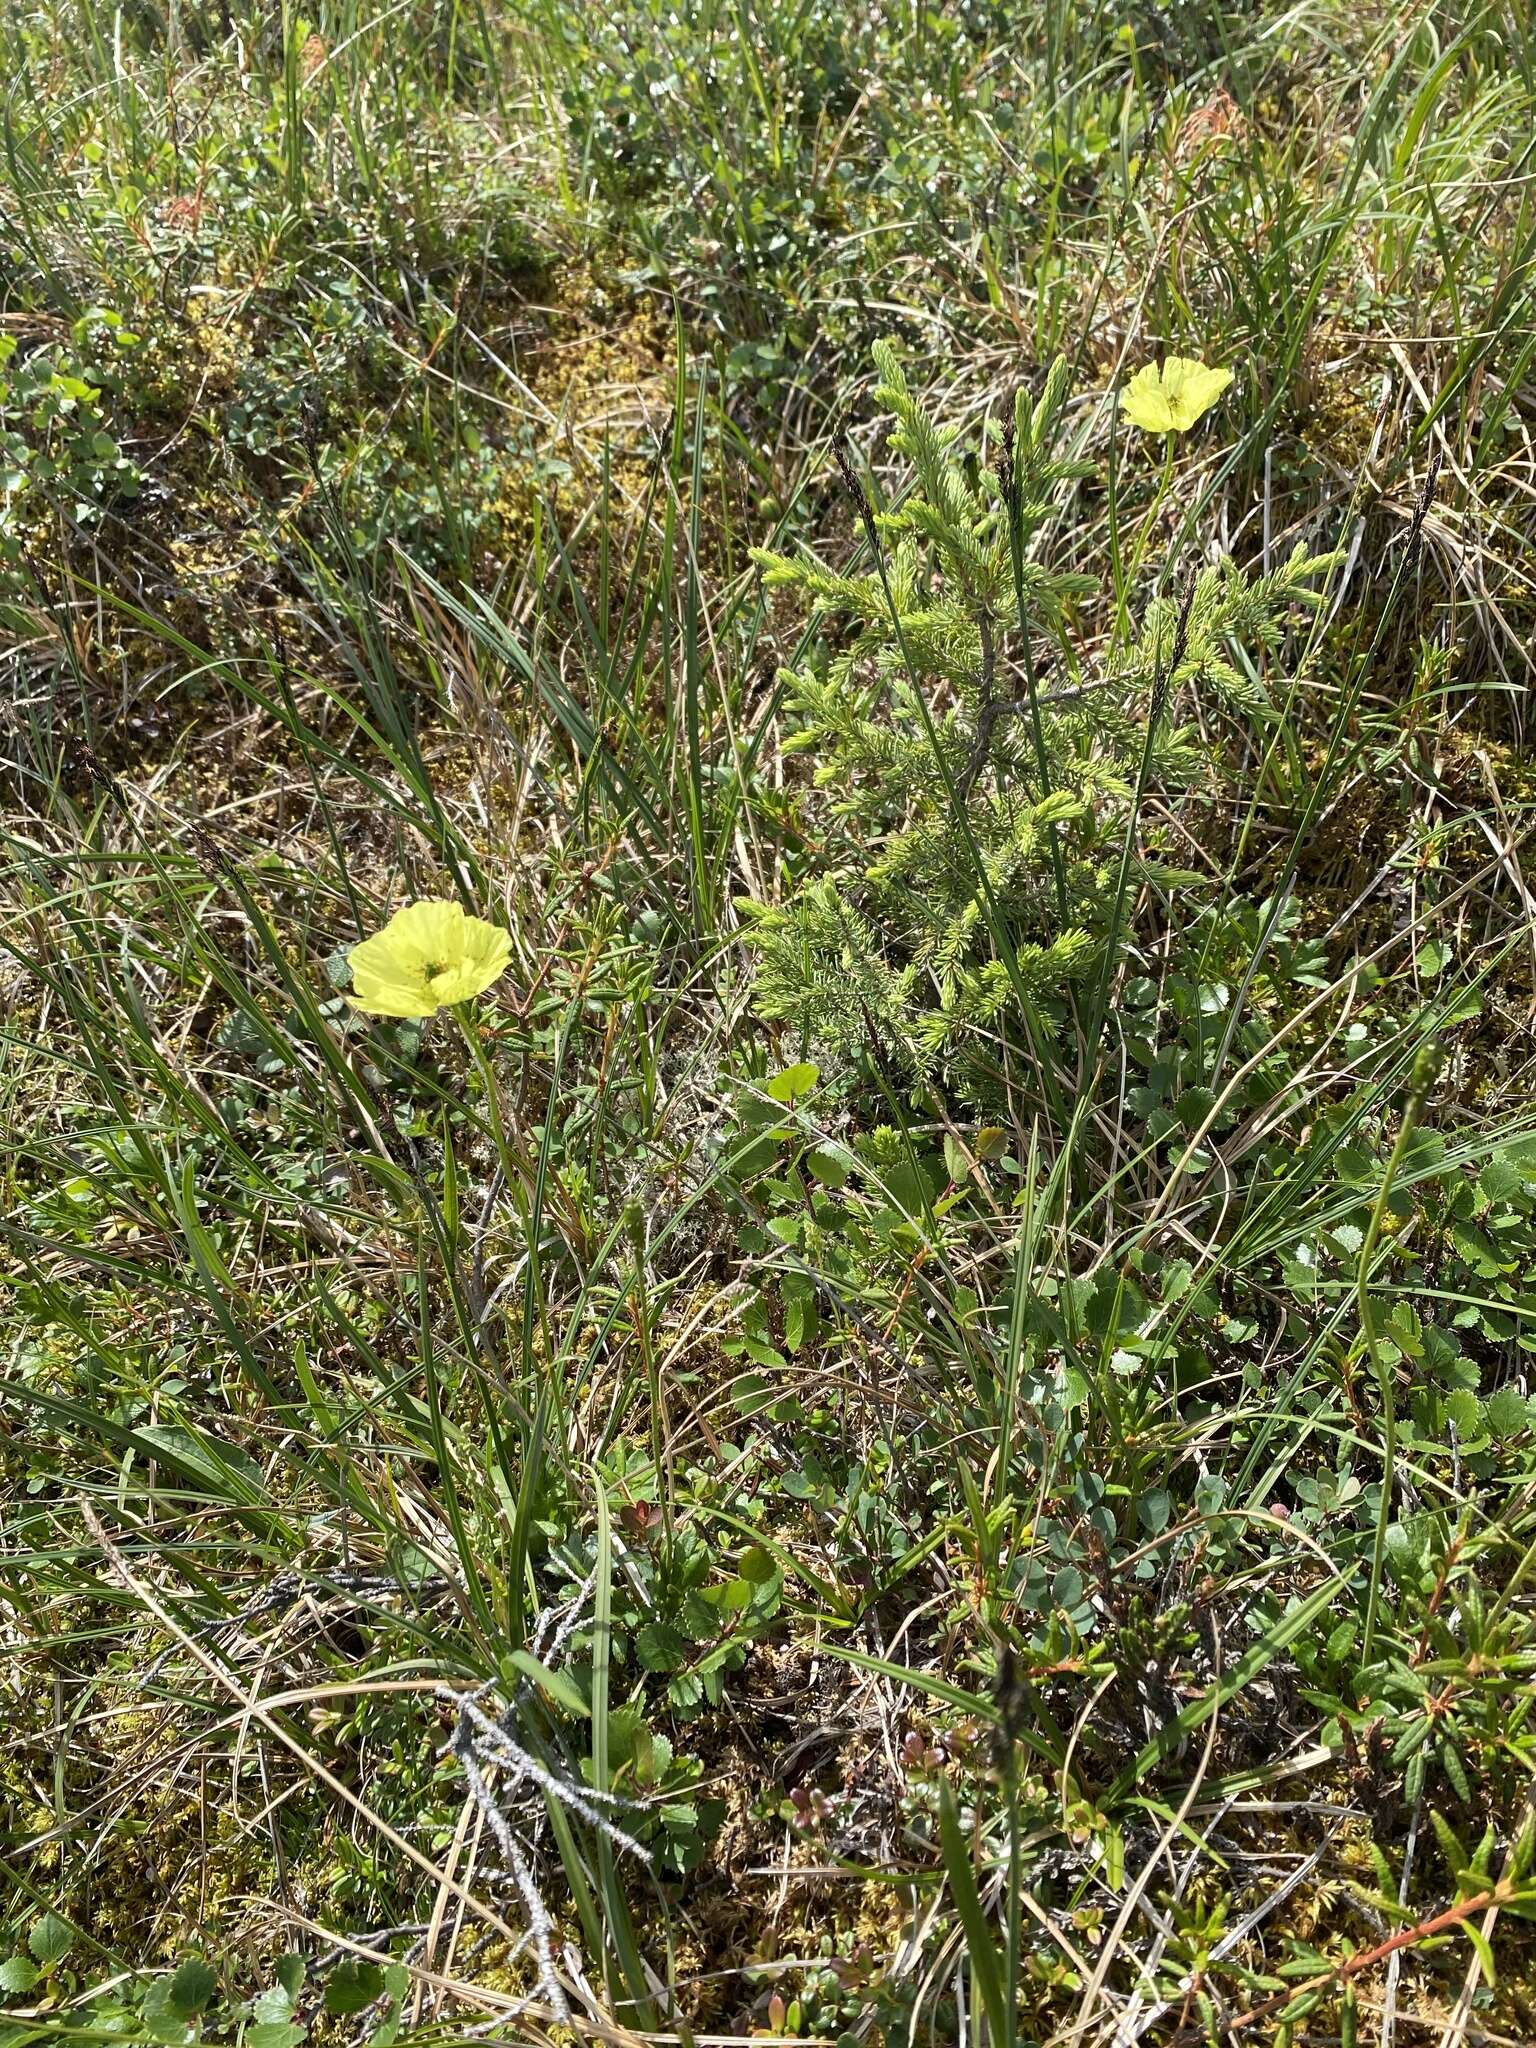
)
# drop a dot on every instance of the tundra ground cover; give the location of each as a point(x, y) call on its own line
point(914, 1421)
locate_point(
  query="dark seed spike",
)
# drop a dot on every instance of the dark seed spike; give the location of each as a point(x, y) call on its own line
point(1007, 465)
point(1011, 1696)
point(842, 452)
point(210, 851)
point(1162, 689)
point(1421, 510)
point(102, 777)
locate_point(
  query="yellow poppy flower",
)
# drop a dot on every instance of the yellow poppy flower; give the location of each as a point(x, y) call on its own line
point(1168, 397)
point(428, 955)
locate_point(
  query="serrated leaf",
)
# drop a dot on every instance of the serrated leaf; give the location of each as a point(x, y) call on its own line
point(273, 2034)
point(191, 1988)
point(289, 1971)
point(799, 1314)
point(353, 1985)
point(50, 1939)
point(1508, 1413)
point(162, 2021)
point(660, 1647)
point(18, 1974)
point(1466, 1411)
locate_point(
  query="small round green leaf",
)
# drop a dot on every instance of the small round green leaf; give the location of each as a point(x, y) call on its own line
point(17, 1976)
point(50, 1939)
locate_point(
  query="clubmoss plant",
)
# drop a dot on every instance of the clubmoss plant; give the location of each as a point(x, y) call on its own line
point(977, 767)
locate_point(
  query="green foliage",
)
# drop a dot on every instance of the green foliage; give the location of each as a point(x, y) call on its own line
point(914, 1431)
point(49, 1942)
point(55, 444)
point(975, 816)
point(685, 1616)
point(180, 2007)
point(673, 1815)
